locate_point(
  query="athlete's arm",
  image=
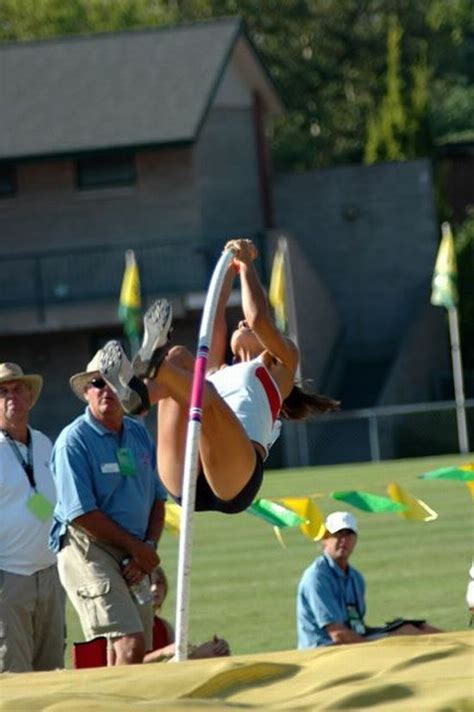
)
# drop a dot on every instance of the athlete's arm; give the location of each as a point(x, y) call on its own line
point(256, 308)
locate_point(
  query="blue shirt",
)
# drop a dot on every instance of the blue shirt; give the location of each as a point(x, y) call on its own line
point(324, 593)
point(87, 475)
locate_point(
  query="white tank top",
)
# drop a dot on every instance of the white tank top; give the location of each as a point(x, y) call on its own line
point(251, 392)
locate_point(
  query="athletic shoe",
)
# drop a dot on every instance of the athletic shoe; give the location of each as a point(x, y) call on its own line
point(156, 334)
point(118, 373)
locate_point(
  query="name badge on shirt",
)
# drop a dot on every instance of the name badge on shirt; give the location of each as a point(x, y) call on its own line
point(355, 622)
point(40, 506)
point(108, 467)
point(126, 461)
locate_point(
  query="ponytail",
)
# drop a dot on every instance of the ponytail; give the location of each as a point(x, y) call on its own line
point(300, 404)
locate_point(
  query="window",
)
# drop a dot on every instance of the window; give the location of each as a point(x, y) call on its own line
point(105, 171)
point(7, 180)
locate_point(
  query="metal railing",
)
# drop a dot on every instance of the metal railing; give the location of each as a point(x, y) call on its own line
point(55, 277)
point(379, 433)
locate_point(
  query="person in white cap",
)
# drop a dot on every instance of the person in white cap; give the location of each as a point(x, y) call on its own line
point(31, 596)
point(331, 594)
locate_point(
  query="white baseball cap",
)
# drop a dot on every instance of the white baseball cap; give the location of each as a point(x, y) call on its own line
point(340, 520)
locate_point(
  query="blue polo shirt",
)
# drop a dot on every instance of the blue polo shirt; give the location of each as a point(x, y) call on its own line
point(324, 593)
point(87, 476)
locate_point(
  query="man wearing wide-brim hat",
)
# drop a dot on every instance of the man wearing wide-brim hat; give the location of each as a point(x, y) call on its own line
point(31, 596)
point(108, 518)
point(331, 594)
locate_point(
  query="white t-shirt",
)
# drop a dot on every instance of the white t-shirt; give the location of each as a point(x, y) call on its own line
point(24, 537)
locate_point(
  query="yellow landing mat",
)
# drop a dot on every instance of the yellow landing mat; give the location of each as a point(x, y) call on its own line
point(419, 673)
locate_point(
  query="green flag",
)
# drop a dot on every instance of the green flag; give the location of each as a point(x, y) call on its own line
point(465, 473)
point(275, 514)
point(368, 502)
point(444, 286)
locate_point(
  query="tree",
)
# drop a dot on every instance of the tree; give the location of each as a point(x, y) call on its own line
point(399, 129)
point(32, 19)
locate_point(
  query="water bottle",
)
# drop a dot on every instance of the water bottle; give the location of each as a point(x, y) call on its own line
point(140, 591)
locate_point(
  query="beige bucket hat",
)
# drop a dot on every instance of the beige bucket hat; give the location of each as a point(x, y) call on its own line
point(14, 372)
point(79, 381)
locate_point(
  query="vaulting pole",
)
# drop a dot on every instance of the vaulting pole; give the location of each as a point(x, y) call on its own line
point(192, 452)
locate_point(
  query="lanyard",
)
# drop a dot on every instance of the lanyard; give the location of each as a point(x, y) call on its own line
point(342, 586)
point(27, 464)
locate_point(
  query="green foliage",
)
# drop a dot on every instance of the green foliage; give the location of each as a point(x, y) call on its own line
point(30, 19)
point(399, 130)
point(385, 135)
point(243, 584)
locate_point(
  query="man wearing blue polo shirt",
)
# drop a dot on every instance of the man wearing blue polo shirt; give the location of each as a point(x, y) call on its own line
point(108, 518)
point(330, 606)
point(331, 594)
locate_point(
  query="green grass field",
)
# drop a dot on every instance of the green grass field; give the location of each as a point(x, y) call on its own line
point(244, 584)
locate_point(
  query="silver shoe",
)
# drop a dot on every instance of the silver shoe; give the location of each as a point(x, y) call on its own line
point(118, 374)
point(156, 334)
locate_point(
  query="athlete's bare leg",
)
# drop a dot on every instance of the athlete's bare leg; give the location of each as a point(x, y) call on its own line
point(227, 455)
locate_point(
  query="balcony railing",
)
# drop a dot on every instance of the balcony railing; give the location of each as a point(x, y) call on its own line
point(57, 277)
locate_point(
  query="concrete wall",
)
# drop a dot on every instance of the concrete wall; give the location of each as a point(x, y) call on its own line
point(371, 234)
point(423, 353)
point(226, 165)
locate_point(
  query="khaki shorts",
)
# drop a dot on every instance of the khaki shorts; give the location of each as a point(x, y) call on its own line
point(91, 575)
point(32, 629)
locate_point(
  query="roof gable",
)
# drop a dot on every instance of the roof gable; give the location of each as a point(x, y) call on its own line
point(95, 92)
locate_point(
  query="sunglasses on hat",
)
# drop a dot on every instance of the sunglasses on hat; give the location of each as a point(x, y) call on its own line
point(97, 383)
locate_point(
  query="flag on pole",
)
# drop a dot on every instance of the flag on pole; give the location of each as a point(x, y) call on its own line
point(130, 299)
point(444, 286)
point(277, 289)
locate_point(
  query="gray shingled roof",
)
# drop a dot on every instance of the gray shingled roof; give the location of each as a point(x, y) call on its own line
point(94, 92)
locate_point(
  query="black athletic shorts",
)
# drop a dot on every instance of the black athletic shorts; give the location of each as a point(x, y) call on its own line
point(206, 500)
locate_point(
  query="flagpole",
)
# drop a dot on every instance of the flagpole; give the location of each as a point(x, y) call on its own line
point(445, 294)
point(301, 429)
point(458, 380)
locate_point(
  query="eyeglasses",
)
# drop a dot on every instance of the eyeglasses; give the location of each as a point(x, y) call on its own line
point(97, 383)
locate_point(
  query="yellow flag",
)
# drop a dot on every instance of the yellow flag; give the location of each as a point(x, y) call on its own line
point(277, 289)
point(444, 286)
point(130, 299)
point(313, 528)
point(172, 517)
point(417, 510)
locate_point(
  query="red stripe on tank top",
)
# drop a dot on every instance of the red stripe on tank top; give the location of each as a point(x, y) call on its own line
point(273, 394)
